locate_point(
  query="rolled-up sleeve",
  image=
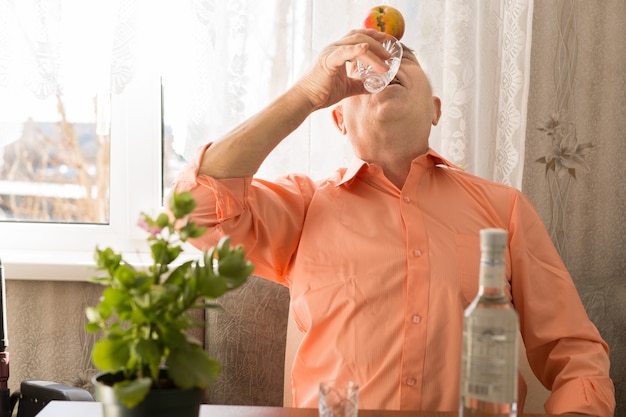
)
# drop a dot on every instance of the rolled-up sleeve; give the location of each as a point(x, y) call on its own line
point(265, 217)
point(217, 200)
point(564, 348)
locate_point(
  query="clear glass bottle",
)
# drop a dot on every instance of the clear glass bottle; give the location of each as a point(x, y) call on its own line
point(490, 338)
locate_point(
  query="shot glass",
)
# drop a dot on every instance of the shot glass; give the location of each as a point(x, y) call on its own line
point(339, 399)
point(376, 81)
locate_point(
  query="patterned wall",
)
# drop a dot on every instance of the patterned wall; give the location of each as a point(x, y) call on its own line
point(577, 101)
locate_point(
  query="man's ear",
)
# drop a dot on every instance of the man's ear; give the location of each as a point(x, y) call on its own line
point(437, 110)
point(338, 119)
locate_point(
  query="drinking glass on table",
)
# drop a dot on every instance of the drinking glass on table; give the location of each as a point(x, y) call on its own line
point(339, 399)
point(376, 81)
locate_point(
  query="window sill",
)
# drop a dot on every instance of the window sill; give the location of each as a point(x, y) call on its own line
point(48, 265)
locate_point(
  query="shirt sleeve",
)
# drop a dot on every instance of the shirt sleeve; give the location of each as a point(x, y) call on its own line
point(564, 348)
point(265, 217)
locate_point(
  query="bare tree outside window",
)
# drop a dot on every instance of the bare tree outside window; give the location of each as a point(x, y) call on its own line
point(55, 172)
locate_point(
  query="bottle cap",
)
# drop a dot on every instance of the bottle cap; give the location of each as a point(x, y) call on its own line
point(493, 239)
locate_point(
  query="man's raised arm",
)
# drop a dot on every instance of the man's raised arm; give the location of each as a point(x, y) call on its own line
point(241, 151)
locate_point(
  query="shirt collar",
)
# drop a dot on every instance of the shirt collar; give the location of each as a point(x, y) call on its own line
point(358, 164)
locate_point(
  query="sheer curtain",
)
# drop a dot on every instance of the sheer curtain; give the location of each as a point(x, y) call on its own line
point(239, 55)
point(55, 108)
point(478, 55)
point(223, 61)
point(50, 47)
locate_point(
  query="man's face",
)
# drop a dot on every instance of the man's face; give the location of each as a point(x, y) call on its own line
point(407, 98)
point(412, 77)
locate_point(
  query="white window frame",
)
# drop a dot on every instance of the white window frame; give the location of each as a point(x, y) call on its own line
point(60, 251)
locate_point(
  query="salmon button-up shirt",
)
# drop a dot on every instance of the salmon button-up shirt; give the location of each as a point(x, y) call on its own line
point(380, 277)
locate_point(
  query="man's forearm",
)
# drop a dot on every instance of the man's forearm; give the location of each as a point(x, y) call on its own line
point(240, 152)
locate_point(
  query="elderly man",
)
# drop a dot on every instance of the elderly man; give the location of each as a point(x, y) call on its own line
point(382, 258)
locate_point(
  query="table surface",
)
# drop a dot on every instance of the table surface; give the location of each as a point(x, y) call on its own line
point(94, 409)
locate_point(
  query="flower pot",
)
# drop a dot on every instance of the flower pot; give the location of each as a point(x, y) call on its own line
point(158, 403)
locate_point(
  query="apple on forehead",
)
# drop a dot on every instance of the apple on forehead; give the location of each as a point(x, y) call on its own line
point(385, 19)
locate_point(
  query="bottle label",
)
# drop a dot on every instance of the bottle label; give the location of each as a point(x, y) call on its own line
point(492, 364)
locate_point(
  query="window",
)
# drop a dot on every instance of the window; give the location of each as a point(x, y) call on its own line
point(80, 132)
point(54, 113)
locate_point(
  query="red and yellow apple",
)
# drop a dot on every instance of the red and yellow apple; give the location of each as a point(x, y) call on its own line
point(385, 19)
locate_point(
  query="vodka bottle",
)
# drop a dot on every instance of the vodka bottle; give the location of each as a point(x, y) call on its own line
point(490, 338)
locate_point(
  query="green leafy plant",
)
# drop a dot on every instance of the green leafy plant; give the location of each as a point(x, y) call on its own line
point(144, 313)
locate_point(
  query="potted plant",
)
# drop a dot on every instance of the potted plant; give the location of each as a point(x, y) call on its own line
point(146, 352)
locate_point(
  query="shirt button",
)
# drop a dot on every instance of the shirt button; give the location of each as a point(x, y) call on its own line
point(416, 319)
point(406, 199)
point(411, 381)
point(417, 253)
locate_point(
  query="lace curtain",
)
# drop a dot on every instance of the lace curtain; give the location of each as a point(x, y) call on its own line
point(39, 40)
point(223, 61)
point(478, 55)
